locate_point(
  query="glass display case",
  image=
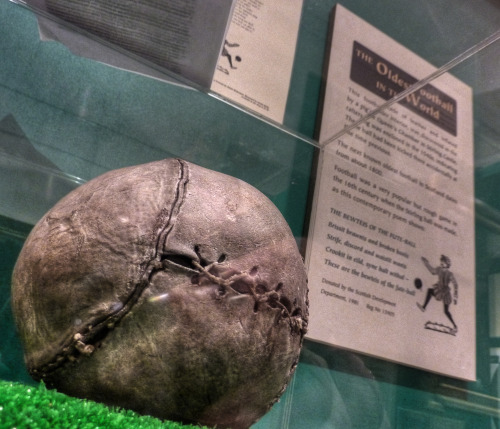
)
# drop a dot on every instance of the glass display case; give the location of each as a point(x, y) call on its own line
point(65, 119)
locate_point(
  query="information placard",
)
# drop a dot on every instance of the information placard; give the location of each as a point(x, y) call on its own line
point(391, 243)
point(151, 37)
point(255, 68)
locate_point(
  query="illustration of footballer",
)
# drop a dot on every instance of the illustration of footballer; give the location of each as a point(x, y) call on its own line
point(441, 291)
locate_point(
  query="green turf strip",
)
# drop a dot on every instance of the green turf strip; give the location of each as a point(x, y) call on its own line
point(36, 407)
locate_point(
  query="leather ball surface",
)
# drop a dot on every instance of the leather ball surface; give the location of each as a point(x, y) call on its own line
point(165, 288)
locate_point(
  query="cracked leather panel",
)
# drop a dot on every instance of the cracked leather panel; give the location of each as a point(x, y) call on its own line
point(85, 259)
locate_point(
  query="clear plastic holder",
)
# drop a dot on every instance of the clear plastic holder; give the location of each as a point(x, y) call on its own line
point(335, 387)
